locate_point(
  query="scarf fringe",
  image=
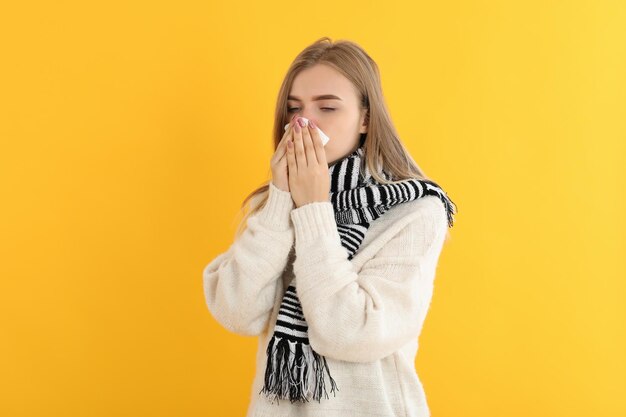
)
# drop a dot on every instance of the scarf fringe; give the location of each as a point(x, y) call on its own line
point(288, 376)
point(450, 209)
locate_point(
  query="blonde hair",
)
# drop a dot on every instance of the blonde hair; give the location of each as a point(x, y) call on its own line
point(383, 148)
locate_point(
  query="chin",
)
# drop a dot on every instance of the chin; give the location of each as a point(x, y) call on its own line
point(330, 158)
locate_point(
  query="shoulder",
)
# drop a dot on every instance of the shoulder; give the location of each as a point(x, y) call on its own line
point(429, 204)
point(413, 232)
point(411, 228)
point(417, 232)
point(426, 219)
point(424, 212)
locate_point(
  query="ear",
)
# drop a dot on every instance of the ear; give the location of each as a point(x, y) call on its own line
point(365, 119)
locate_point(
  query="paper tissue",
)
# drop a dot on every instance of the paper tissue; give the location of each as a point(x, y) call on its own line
point(323, 135)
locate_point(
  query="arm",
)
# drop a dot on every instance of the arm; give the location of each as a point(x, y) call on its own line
point(366, 316)
point(240, 284)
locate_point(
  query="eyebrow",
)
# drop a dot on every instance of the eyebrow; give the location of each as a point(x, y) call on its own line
point(316, 98)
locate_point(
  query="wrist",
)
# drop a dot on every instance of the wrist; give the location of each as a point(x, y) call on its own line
point(275, 213)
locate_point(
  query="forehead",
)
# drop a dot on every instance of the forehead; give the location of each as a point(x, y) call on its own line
point(322, 79)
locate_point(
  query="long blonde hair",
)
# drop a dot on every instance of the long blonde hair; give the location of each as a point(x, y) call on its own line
point(383, 148)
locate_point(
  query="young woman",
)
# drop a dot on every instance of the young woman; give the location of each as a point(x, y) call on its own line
point(333, 267)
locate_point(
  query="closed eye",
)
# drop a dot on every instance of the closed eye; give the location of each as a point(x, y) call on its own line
point(289, 110)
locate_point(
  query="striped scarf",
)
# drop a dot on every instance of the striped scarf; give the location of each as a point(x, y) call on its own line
point(294, 370)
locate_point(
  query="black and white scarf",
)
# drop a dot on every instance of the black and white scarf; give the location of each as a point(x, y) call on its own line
point(294, 370)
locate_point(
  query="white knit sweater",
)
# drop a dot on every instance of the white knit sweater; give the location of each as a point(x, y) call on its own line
point(364, 315)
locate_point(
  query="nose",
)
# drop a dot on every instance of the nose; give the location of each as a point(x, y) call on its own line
point(306, 116)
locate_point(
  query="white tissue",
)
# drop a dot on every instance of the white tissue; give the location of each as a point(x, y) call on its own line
point(323, 135)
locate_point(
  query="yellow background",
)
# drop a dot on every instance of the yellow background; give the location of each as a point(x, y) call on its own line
point(131, 132)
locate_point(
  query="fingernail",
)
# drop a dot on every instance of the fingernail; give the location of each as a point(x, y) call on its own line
point(312, 124)
point(296, 127)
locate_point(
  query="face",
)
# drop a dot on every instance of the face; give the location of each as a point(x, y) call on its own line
point(342, 118)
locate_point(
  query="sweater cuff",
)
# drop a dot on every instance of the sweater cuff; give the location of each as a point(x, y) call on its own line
point(313, 220)
point(275, 213)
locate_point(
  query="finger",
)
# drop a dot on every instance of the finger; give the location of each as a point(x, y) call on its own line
point(287, 134)
point(282, 145)
point(309, 150)
point(281, 149)
point(285, 141)
point(319, 145)
point(291, 160)
point(298, 147)
point(289, 126)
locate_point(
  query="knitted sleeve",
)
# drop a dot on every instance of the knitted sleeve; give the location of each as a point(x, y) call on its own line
point(240, 284)
point(365, 316)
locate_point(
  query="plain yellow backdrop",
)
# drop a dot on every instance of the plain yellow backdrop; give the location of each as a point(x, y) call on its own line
point(131, 132)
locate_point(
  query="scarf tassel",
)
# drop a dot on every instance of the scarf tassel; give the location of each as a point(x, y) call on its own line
point(450, 209)
point(287, 373)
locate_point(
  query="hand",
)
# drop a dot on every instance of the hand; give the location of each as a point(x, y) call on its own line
point(280, 174)
point(309, 181)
